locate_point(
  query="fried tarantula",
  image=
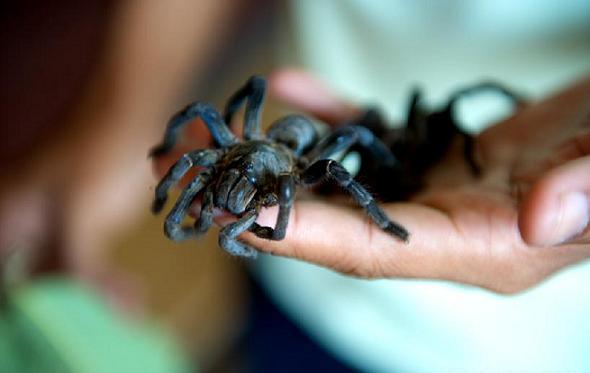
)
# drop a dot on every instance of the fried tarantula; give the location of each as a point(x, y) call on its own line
point(419, 144)
point(259, 171)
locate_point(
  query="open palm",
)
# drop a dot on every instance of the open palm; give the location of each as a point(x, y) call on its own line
point(501, 231)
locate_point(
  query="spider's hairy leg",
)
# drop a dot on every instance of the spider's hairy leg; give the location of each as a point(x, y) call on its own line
point(253, 91)
point(228, 234)
point(446, 118)
point(344, 138)
point(172, 227)
point(286, 198)
point(220, 132)
point(415, 117)
point(196, 158)
point(327, 168)
point(205, 219)
point(516, 98)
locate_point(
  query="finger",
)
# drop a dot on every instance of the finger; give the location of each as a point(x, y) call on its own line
point(347, 241)
point(308, 94)
point(538, 128)
point(577, 147)
point(566, 110)
point(557, 207)
point(574, 148)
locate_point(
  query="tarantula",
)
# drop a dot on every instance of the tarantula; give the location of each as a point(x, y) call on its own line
point(419, 144)
point(242, 177)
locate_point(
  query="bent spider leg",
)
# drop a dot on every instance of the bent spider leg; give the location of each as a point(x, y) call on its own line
point(205, 219)
point(228, 234)
point(516, 98)
point(253, 91)
point(220, 132)
point(196, 158)
point(469, 140)
point(286, 198)
point(172, 225)
point(344, 138)
point(333, 170)
point(415, 120)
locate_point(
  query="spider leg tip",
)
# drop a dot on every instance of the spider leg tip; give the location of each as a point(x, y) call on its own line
point(404, 237)
point(398, 231)
point(157, 205)
point(157, 151)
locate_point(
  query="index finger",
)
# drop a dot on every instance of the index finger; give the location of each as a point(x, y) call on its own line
point(347, 241)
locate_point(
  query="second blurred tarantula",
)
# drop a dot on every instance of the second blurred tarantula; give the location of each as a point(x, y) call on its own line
point(419, 144)
point(242, 177)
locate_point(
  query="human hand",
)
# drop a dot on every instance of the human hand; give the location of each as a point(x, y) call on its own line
point(492, 231)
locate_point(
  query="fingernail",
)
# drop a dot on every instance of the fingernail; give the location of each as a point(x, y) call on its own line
point(573, 216)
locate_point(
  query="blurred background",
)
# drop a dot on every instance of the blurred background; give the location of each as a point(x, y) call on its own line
point(89, 281)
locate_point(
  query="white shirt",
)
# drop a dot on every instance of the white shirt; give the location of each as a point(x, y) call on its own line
point(373, 52)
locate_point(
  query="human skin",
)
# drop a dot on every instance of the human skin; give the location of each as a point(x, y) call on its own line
point(523, 219)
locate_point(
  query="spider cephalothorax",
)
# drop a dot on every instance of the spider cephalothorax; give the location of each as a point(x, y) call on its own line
point(261, 170)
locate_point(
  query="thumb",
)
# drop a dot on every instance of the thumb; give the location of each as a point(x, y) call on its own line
point(557, 208)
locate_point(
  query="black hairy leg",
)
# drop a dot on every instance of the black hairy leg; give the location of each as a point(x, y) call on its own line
point(228, 236)
point(205, 219)
point(220, 132)
point(253, 92)
point(515, 97)
point(286, 198)
point(343, 138)
point(173, 224)
point(332, 170)
point(196, 158)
